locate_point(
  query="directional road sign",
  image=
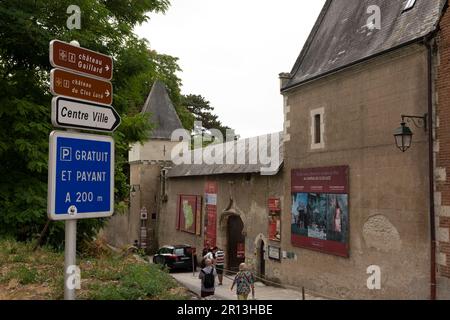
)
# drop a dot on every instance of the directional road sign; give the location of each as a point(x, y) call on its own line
point(66, 56)
point(81, 176)
point(75, 114)
point(74, 85)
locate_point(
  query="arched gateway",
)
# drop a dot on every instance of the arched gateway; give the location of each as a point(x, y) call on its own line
point(235, 242)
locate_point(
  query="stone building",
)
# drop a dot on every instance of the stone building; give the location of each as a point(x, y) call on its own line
point(345, 207)
point(146, 163)
point(352, 82)
point(233, 205)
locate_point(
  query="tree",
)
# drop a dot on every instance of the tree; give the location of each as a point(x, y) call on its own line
point(202, 111)
point(26, 28)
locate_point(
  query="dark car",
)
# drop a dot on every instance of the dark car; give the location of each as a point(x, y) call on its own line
point(176, 257)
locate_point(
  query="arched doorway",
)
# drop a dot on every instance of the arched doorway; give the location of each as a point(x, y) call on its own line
point(261, 260)
point(235, 242)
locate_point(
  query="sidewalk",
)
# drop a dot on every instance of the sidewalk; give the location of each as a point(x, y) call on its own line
point(262, 292)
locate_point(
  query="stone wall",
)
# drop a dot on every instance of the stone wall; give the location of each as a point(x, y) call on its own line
point(250, 194)
point(389, 219)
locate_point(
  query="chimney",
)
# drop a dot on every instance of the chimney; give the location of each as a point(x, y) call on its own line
point(284, 79)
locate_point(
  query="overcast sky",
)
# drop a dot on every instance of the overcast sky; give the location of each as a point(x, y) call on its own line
point(231, 52)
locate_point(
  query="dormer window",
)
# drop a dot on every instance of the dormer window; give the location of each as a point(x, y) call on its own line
point(409, 5)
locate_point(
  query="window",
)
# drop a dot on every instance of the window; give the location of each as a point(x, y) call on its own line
point(165, 251)
point(409, 5)
point(179, 252)
point(317, 129)
point(317, 137)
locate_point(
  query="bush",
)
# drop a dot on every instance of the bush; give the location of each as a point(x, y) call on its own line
point(23, 274)
point(136, 282)
point(107, 277)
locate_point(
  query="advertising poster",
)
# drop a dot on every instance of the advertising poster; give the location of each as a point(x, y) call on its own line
point(274, 253)
point(211, 213)
point(274, 219)
point(319, 211)
point(187, 213)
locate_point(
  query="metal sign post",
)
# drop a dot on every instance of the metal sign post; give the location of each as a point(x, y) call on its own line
point(143, 233)
point(81, 166)
point(193, 263)
point(70, 259)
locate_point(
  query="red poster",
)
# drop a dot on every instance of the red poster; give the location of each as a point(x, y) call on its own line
point(320, 209)
point(322, 180)
point(211, 213)
point(275, 227)
point(274, 204)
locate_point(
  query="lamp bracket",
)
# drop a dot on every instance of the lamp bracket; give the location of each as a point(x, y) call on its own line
point(419, 122)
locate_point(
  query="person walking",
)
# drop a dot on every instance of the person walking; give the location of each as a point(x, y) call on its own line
point(206, 250)
point(220, 263)
point(244, 282)
point(210, 255)
point(208, 279)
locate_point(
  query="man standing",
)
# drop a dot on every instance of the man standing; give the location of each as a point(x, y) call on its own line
point(206, 248)
point(220, 263)
point(208, 278)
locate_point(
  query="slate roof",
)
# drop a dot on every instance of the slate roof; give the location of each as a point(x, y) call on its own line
point(163, 114)
point(341, 36)
point(188, 170)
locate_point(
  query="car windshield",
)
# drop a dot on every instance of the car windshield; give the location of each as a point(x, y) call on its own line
point(179, 252)
point(165, 251)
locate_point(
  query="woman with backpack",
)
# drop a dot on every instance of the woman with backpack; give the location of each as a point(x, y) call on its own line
point(244, 282)
point(208, 277)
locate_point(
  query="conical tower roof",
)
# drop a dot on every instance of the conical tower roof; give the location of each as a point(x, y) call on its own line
point(163, 113)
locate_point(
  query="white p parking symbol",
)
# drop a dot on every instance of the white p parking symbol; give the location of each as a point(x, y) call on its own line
point(66, 154)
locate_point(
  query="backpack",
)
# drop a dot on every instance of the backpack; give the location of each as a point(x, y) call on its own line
point(208, 281)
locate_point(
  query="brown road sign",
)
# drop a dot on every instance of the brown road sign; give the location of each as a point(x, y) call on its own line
point(76, 86)
point(67, 56)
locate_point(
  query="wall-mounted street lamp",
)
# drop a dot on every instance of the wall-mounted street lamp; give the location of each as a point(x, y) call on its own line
point(403, 135)
point(134, 188)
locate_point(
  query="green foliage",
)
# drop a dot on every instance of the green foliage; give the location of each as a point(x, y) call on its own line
point(105, 276)
point(201, 109)
point(25, 275)
point(26, 28)
point(136, 282)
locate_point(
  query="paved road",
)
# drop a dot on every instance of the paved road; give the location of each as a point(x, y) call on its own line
point(262, 292)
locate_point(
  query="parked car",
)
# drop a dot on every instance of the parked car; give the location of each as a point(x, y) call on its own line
point(176, 257)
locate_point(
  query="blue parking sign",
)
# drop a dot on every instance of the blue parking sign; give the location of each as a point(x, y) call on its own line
point(81, 176)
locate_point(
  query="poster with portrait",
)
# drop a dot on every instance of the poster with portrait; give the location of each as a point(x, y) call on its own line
point(320, 209)
point(188, 213)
